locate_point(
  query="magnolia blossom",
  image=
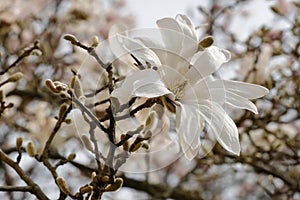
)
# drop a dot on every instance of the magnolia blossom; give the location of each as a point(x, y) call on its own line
point(181, 73)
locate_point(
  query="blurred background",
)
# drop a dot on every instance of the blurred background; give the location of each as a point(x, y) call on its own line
point(263, 38)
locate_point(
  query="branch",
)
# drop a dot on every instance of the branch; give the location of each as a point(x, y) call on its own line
point(34, 188)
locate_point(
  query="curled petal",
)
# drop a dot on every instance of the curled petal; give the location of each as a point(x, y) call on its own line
point(139, 50)
point(171, 34)
point(144, 83)
point(209, 60)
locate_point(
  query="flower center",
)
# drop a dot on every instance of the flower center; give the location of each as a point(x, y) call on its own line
point(178, 89)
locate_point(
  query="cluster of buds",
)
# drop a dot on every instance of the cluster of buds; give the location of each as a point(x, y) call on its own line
point(58, 88)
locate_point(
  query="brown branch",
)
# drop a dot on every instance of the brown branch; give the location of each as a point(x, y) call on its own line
point(34, 188)
point(15, 188)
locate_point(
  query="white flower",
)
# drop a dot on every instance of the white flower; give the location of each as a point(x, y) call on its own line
point(181, 74)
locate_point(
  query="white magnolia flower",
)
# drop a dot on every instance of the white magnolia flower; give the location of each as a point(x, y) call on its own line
point(181, 74)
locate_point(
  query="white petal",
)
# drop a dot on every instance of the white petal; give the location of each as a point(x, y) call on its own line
point(246, 90)
point(187, 127)
point(240, 102)
point(222, 126)
point(115, 45)
point(171, 34)
point(134, 84)
point(190, 40)
point(139, 50)
point(209, 60)
point(186, 25)
point(188, 151)
point(157, 48)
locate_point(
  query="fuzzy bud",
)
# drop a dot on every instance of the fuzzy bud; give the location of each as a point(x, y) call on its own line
point(135, 147)
point(19, 142)
point(36, 52)
point(62, 110)
point(114, 186)
point(62, 184)
point(71, 156)
point(30, 149)
point(93, 175)
point(95, 41)
point(50, 85)
point(15, 77)
point(68, 121)
point(71, 38)
point(85, 189)
point(76, 85)
point(126, 146)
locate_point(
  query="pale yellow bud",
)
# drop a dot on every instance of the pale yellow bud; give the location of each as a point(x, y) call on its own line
point(71, 156)
point(135, 147)
point(95, 41)
point(68, 121)
point(114, 186)
point(85, 189)
point(36, 52)
point(62, 184)
point(30, 149)
point(50, 85)
point(19, 142)
point(76, 85)
point(62, 110)
point(93, 175)
point(71, 38)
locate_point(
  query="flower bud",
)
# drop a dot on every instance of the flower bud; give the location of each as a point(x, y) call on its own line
point(19, 142)
point(62, 110)
point(134, 147)
point(68, 121)
point(62, 184)
point(126, 146)
point(114, 186)
point(76, 85)
point(36, 52)
point(85, 189)
point(71, 38)
point(15, 77)
point(50, 85)
point(30, 149)
point(71, 156)
point(93, 175)
point(95, 41)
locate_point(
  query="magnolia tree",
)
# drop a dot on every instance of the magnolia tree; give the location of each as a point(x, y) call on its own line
point(87, 117)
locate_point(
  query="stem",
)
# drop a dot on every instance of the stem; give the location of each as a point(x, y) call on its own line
point(34, 188)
